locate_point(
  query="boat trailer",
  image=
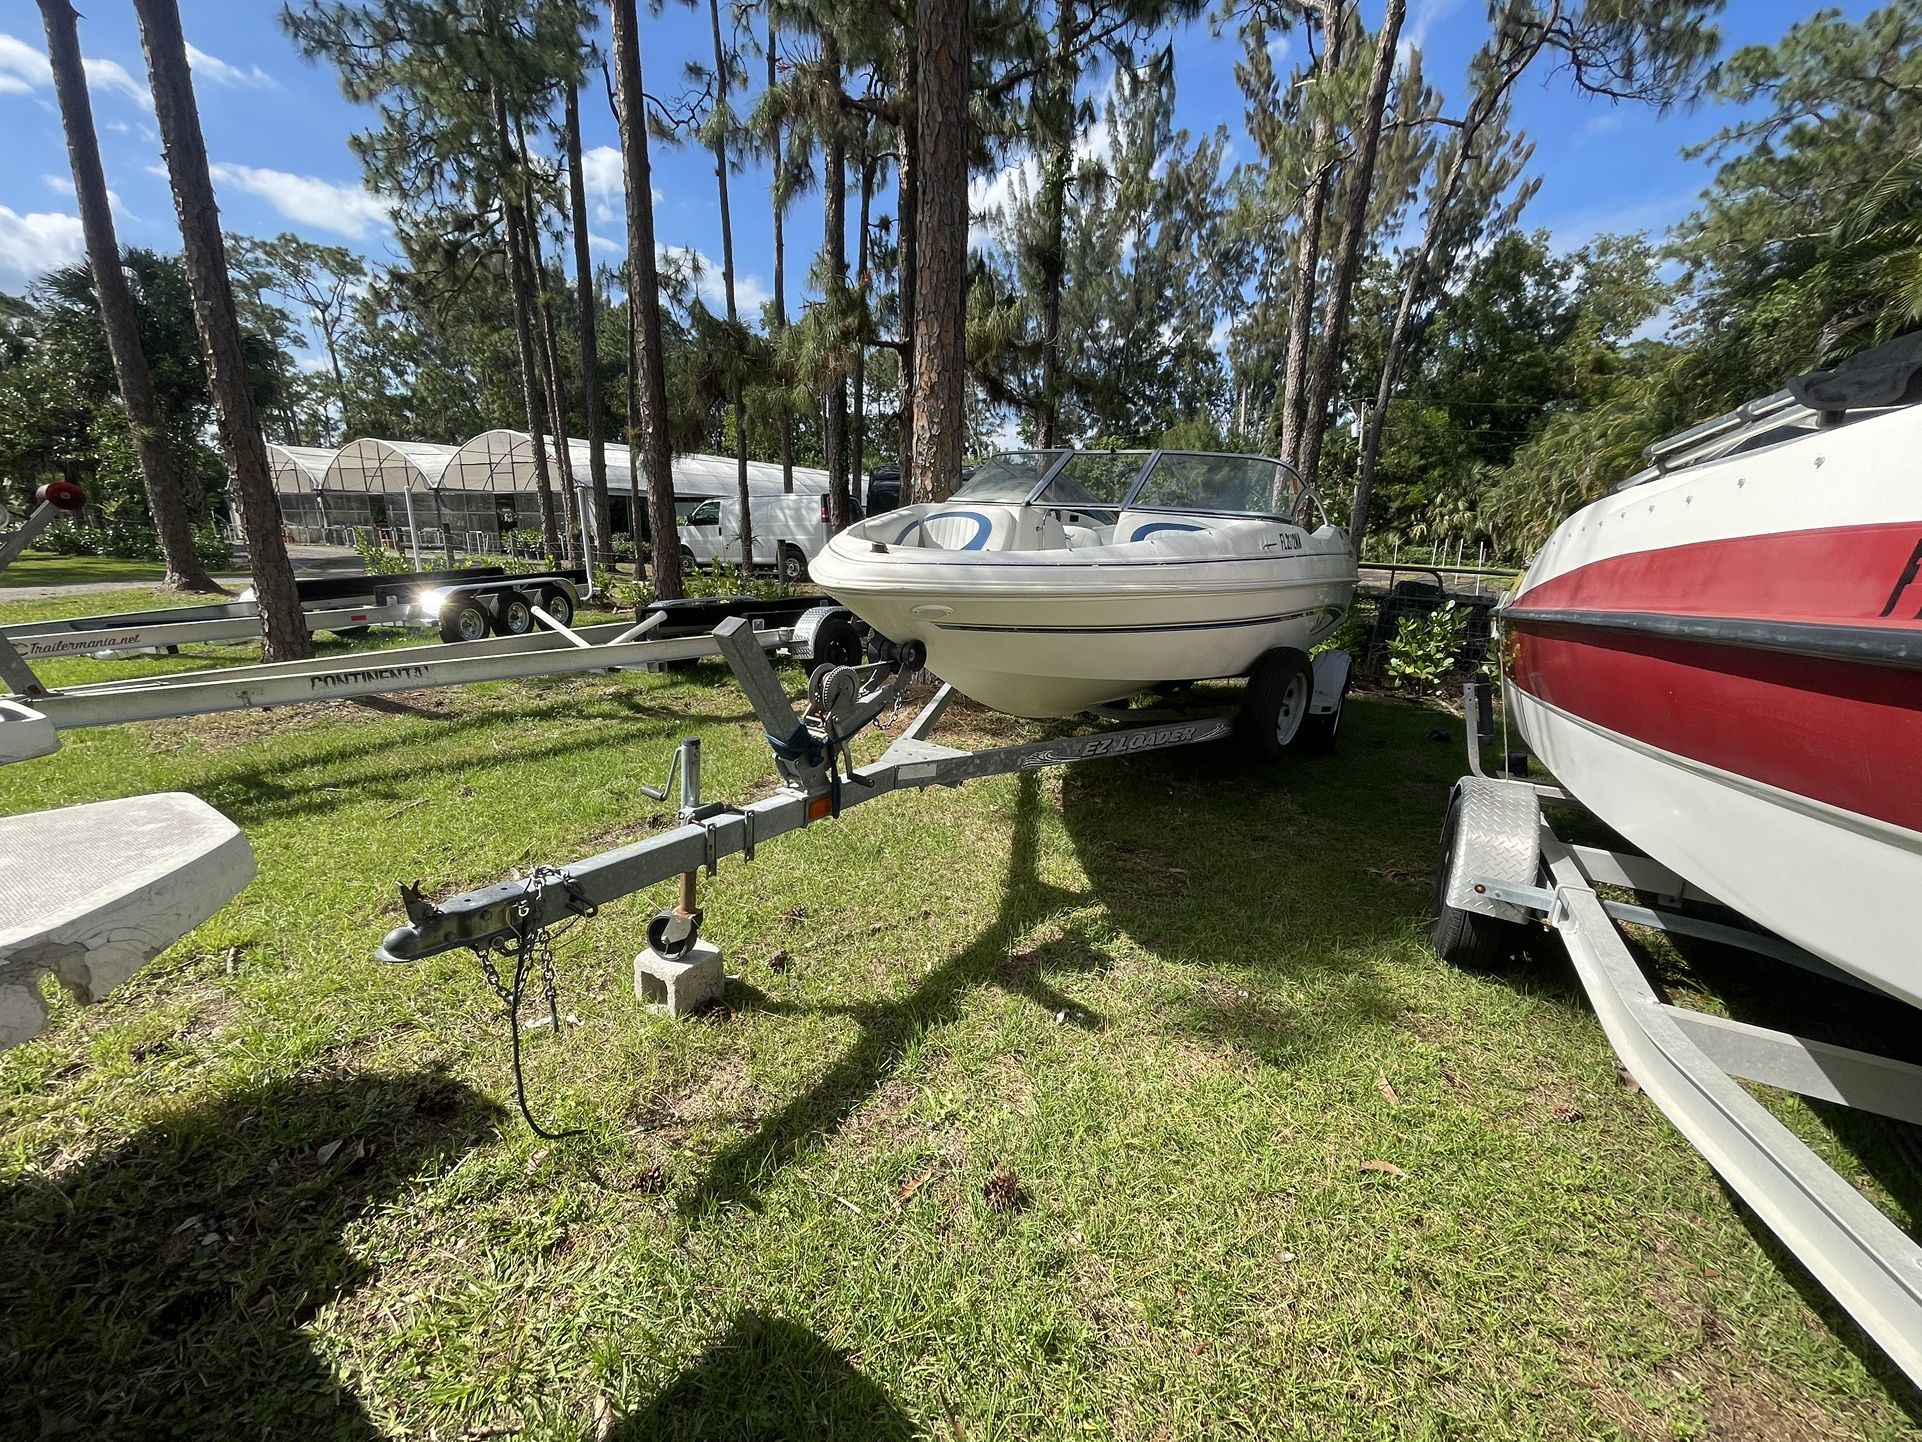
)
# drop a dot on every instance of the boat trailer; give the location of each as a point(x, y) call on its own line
point(679, 971)
point(34, 715)
point(1503, 868)
point(818, 782)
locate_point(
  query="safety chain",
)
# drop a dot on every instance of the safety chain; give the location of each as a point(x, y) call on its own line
point(534, 945)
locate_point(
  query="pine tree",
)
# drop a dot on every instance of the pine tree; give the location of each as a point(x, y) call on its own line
point(283, 627)
point(160, 472)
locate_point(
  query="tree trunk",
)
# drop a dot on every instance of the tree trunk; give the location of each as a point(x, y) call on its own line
point(159, 470)
point(1053, 259)
point(721, 118)
point(908, 201)
point(550, 358)
point(779, 161)
point(590, 332)
point(1482, 110)
point(519, 285)
point(858, 443)
point(1361, 184)
point(1301, 295)
point(644, 298)
point(283, 628)
point(834, 216)
point(942, 48)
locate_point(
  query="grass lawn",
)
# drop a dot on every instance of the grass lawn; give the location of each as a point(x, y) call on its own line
point(1278, 1171)
point(34, 569)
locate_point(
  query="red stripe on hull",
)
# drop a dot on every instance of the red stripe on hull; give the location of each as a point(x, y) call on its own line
point(1858, 575)
point(1846, 734)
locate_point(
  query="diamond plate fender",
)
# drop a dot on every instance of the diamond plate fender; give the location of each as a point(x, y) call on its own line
point(809, 625)
point(1497, 838)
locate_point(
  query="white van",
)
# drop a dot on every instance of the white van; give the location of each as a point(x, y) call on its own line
point(788, 532)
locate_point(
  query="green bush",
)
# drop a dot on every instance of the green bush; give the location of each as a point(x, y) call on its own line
point(377, 559)
point(130, 540)
point(1426, 650)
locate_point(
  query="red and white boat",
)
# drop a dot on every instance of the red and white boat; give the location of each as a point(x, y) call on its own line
point(1723, 660)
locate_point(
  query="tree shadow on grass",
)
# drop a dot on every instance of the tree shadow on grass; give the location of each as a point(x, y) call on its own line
point(159, 1288)
point(263, 790)
point(1206, 779)
point(769, 1380)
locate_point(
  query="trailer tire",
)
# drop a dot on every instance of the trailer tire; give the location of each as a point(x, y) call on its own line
point(465, 620)
point(794, 565)
point(558, 604)
point(837, 642)
point(1275, 708)
point(516, 615)
point(1467, 939)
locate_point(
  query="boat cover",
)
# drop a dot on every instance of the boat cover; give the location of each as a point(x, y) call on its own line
point(1884, 376)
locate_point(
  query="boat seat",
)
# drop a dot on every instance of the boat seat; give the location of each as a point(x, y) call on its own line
point(1142, 525)
point(984, 528)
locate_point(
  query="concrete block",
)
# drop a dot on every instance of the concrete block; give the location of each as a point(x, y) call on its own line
point(682, 985)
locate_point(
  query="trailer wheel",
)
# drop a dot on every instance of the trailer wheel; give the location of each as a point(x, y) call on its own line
point(837, 642)
point(516, 616)
point(1468, 939)
point(558, 604)
point(794, 565)
point(1273, 711)
point(465, 620)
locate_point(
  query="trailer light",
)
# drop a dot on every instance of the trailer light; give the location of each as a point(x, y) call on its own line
point(820, 807)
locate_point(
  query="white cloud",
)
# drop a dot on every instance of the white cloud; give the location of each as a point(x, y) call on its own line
point(343, 208)
point(213, 68)
point(750, 291)
point(991, 197)
point(1570, 230)
point(1423, 17)
point(1603, 123)
point(606, 184)
point(41, 241)
point(602, 242)
point(24, 69)
point(63, 185)
point(112, 75)
point(23, 65)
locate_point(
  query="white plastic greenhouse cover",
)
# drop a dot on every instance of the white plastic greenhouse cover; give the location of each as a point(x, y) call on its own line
point(504, 461)
point(298, 469)
point(388, 467)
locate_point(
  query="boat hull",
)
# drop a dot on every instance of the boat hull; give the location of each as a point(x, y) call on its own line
point(1035, 638)
point(1739, 692)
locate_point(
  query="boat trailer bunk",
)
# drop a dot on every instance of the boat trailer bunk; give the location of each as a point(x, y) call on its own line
point(1503, 868)
point(819, 781)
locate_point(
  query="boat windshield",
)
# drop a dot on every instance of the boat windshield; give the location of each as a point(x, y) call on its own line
point(1196, 481)
point(1010, 476)
point(1095, 480)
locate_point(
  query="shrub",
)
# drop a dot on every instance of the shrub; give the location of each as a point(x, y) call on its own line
point(129, 540)
point(1426, 650)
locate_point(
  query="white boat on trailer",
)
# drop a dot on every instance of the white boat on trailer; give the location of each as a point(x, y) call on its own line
point(1723, 661)
point(1056, 581)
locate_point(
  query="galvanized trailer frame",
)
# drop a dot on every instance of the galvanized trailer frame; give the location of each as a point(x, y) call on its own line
point(819, 782)
point(30, 723)
point(1506, 865)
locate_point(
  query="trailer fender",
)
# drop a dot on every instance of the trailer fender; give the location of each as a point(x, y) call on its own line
point(1497, 839)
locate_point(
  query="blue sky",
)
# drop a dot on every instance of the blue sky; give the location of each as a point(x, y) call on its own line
point(277, 132)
